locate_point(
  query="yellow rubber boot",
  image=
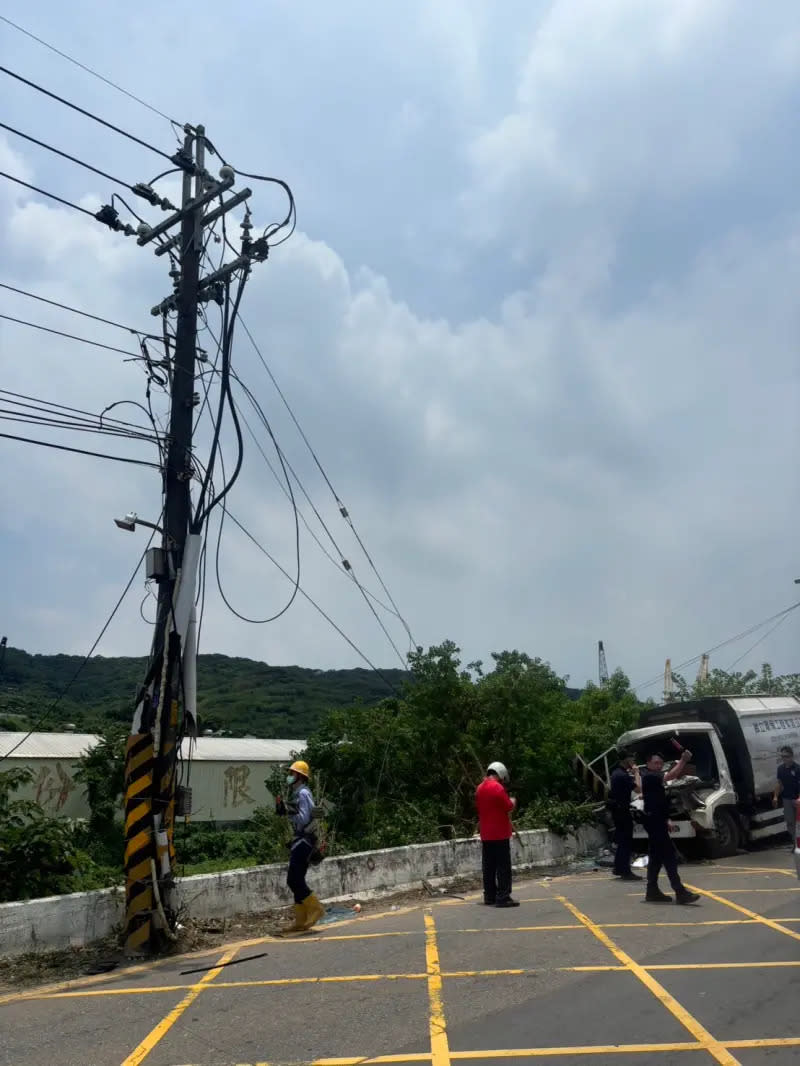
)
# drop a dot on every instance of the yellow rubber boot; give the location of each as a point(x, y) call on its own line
point(300, 918)
point(313, 911)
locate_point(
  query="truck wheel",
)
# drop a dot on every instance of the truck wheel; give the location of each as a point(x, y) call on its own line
point(725, 841)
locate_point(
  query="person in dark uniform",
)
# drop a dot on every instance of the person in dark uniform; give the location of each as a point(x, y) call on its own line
point(661, 851)
point(788, 790)
point(624, 781)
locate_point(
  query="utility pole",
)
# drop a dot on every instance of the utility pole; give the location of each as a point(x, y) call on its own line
point(151, 762)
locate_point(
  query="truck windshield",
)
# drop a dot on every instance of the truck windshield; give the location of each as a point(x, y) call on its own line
point(702, 765)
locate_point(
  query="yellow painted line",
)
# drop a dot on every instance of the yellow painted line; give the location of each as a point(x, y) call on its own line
point(510, 929)
point(440, 1047)
point(760, 870)
point(676, 925)
point(140, 1053)
point(760, 918)
point(587, 1049)
point(789, 1041)
point(687, 1020)
point(537, 899)
point(720, 965)
point(757, 891)
point(423, 1057)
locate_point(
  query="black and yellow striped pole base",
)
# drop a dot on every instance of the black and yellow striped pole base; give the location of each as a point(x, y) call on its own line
point(139, 766)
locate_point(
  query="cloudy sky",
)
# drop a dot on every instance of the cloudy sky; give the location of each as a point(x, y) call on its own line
point(539, 321)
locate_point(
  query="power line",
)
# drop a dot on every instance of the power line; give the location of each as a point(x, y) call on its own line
point(43, 718)
point(48, 422)
point(723, 644)
point(51, 195)
point(70, 336)
point(759, 641)
point(314, 604)
point(39, 404)
point(342, 509)
point(65, 155)
point(88, 70)
point(83, 111)
point(347, 568)
point(80, 451)
point(77, 311)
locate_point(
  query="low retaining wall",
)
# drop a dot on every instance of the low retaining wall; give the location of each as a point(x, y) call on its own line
point(59, 922)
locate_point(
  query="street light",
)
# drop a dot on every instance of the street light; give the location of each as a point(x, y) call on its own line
point(132, 520)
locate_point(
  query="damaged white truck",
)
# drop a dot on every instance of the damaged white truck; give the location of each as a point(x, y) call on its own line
point(724, 802)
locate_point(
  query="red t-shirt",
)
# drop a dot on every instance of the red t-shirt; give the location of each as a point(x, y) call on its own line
point(494, 806)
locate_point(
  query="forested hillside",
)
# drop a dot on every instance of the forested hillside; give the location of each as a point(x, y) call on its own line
point(239, 695)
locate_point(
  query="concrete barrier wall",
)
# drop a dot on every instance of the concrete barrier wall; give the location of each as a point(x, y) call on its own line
point(59, 922)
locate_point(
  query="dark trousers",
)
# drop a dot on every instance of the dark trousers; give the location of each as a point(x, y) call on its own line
point(496, 863)
point(623, 835)
point(298, 868)
point(661, 852)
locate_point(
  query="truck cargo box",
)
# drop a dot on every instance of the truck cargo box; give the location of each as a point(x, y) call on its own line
point(752, 730)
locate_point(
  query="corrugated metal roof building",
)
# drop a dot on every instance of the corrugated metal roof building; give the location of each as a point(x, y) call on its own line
point(227, 773)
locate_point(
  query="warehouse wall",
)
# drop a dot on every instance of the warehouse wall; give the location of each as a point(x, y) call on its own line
point(228, 791)
point(53, 787)
point(221, 791)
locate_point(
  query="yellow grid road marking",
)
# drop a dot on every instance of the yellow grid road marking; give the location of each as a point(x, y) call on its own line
point(548, 1052)
point(140, 1053)
point(687, 1020)
point(446, 975)
point(760, 918)
point(440, 1047)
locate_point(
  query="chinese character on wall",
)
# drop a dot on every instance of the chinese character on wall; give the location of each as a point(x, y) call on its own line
point(236, 787)
point(53, 786)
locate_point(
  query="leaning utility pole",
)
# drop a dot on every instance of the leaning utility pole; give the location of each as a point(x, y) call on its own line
point(151, 763)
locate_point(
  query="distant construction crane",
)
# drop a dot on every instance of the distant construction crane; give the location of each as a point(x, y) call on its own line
point(602, 664)
point(702, 673)
point(668, 681)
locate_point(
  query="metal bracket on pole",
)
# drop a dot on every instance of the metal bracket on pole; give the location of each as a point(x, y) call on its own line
point(212, 216)
point(179, 216)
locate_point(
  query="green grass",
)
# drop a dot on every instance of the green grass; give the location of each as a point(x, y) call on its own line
point(214, 866)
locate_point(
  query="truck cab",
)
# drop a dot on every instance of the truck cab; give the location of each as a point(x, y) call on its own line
point(725, 798)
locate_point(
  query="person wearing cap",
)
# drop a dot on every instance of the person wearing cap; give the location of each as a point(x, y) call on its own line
point(299, 808)
point(494, 809)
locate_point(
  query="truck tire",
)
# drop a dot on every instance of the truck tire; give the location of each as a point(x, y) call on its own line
point(724, 842)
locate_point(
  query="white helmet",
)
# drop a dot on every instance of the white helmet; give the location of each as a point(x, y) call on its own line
point(499, 769)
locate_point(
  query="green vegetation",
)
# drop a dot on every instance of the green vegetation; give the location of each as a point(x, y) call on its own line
point(238, 695)
point(405, 771)
point(386, 771)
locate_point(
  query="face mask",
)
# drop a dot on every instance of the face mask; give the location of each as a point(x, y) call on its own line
point(290, 779)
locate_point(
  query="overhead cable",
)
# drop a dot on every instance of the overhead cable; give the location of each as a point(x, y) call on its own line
point(43, 717)
point(70, 336)
point(723, 644)
point(88, 70)
point(66, 155)
point(83, 111)
point(313, 603)
point(76, 311)
point(342, 509)
point(81, 451)
point(51, 195)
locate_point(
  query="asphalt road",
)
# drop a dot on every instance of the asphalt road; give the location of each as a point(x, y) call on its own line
point(582, 971)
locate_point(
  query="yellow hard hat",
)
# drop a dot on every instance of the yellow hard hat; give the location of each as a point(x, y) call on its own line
point(300, 767)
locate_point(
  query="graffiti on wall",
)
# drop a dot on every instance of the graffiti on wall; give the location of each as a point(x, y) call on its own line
point(237, 789)
point(53, 786)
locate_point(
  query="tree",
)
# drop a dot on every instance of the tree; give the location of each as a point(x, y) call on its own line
point(39, 855)
point(102, 771)
point(750, 683)
point(406, 770)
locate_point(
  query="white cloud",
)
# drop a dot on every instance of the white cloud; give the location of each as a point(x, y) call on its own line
point(601, 445)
